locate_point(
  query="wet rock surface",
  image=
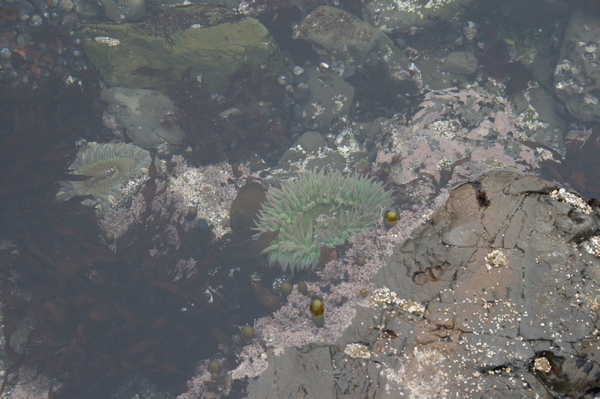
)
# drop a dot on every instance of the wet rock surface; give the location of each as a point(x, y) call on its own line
point(496, 296)
point(147, 116)
point(537, 109)
point(331, 98)
point(343, 37)
point(460, 62)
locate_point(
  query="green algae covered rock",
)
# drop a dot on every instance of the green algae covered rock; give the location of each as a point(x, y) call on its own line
point(214, 41)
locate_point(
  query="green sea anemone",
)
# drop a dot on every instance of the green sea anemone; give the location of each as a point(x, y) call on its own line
point(111, 168)
point(318, 209)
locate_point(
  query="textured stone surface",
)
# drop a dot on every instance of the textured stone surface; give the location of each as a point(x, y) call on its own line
point(393, 16)
point(343, 37)
point(212, 40)
point(534, 236)
point(123, 10)
point(331, 97)
point(536, 108)
point(460, 62)
point(510, 294)
point(577, 74)
point(316, 380)
point(140, 112)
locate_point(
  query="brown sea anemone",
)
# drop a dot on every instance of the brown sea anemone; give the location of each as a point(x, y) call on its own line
point(113, 169)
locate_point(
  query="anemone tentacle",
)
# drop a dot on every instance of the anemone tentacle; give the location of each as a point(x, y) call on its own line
point(111, 168)
point(318, 209)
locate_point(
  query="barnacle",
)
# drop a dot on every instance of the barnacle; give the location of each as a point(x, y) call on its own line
point(110, 168)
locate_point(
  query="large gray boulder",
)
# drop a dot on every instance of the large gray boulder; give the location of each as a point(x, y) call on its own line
point(340, 36)
point(213, 41)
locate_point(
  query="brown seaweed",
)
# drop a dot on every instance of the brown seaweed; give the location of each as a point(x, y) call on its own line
point(98, 316)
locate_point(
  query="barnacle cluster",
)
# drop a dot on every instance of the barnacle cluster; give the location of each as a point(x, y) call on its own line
point(385, 297)
point(356, 350)
point(577, 202)
point(318, 209)
point(496, 258)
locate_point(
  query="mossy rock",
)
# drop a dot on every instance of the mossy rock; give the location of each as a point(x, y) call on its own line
point(214, 41)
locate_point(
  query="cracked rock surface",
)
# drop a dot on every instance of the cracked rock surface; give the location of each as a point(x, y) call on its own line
point(506, 276)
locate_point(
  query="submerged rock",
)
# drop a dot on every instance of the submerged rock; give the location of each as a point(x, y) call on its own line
point(393, 16)
point(346, 38)
point(148, 116)
point(577, 74)
point(214, 41)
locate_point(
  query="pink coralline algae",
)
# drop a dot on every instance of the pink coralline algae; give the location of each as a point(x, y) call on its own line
point(110, 123)
point(468, 132)
point(578, 133)
point(196, 385)
point(208, 189)
point(292, 326)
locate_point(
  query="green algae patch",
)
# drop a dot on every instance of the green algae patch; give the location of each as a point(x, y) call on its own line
point(213, 41)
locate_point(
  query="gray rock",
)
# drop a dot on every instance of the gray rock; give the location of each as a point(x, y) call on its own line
point(281, 378)
point(434, 77)
point(146, 115)
point(124, 10)
point(345, 151)
point(214, 41)
point(331, 97)
point(460, 62)
point(367, 132)
point(311, 141)
point(506, 270)
point(537, 109)
point(394, 16)
point(343, 37)
point(577, 74)
point(86, 9)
